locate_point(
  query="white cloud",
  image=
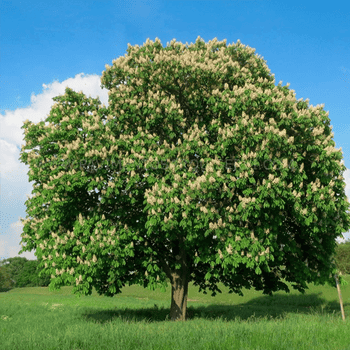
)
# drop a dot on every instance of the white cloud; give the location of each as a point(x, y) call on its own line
point(10, 243)
point(41, 104)
point(9, 162)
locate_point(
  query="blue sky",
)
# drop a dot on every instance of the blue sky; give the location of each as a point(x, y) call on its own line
point(48, 45)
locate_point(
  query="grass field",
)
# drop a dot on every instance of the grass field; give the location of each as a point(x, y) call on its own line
point(34, 318)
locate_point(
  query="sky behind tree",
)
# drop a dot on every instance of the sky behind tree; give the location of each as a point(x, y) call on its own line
point(49, 45)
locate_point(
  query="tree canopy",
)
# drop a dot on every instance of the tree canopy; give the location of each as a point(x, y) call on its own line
point(13, 267)
point(200, 169)
point(19, 272)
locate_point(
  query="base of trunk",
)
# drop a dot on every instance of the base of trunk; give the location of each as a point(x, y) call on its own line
point(179, 290)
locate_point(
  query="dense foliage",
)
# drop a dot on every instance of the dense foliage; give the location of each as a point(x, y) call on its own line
point(19, 272)
point(28, 275)
point(205, 171)
point(342, 257)
point(6, 282)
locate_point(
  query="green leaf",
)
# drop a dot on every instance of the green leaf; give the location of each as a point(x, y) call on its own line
point(112, 289)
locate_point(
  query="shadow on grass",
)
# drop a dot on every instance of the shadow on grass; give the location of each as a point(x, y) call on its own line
point(271, 308)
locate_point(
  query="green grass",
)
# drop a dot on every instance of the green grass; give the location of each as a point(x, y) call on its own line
point(34, 318)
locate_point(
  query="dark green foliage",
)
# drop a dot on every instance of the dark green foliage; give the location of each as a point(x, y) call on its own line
point(29, 276)
point(342, 257)
point(14, 266)
point(19, 272)
point(5, 280)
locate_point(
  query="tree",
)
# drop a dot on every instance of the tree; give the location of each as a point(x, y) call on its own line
point(5, 279)
point(342, 257)
point(29, 276)
point(14, 267)
point(173, 180)
point(18, 272)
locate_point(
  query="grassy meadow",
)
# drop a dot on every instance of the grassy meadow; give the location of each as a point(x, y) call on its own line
point(34, 318)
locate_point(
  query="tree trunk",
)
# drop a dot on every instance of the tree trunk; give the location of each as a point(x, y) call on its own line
point(179, 289)
point(179, 279)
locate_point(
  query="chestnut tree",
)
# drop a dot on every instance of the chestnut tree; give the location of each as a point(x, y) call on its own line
point(200, 170)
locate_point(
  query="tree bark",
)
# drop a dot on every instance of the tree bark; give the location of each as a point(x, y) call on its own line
point(179, 290)
point(179, 279)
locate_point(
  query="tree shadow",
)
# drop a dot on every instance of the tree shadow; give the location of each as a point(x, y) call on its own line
point(267, 307)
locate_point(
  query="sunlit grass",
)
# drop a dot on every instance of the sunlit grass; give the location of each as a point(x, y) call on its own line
point(34, 318)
